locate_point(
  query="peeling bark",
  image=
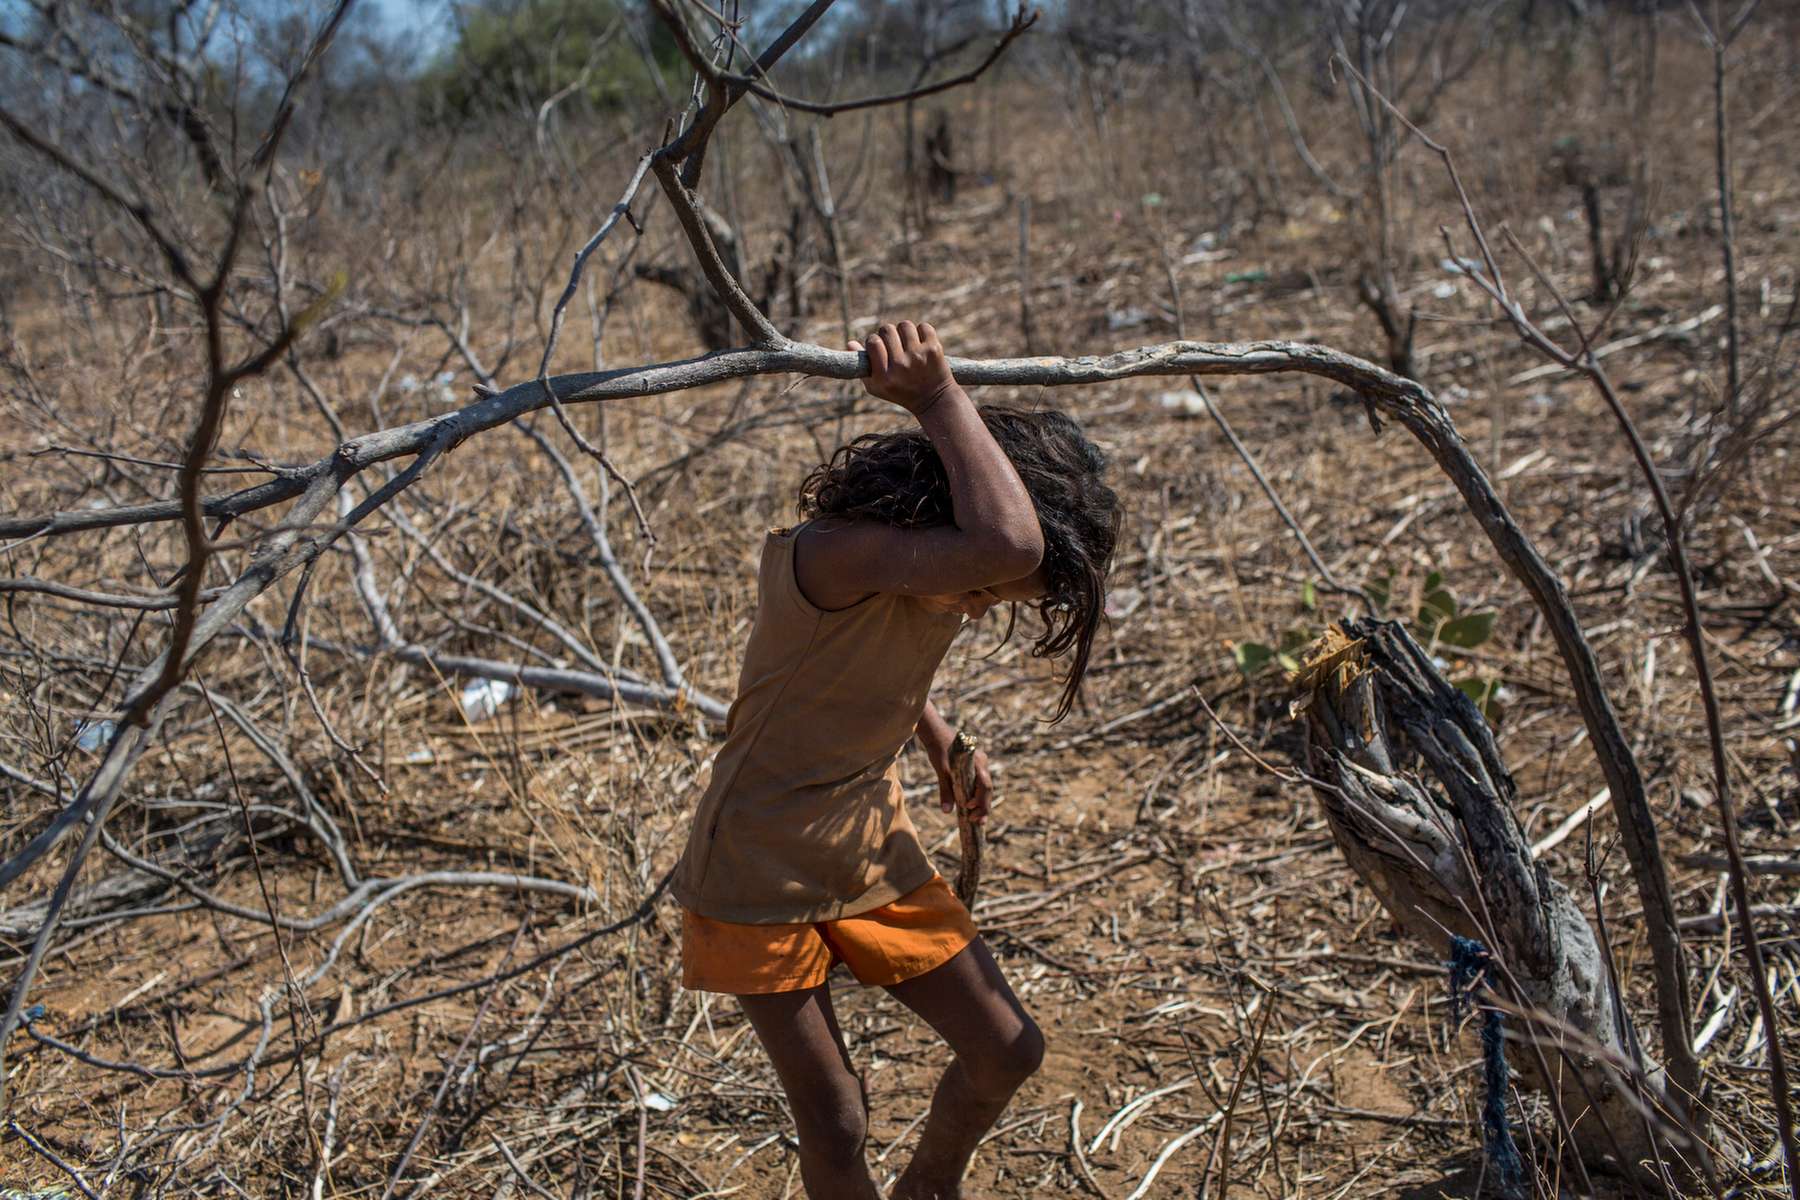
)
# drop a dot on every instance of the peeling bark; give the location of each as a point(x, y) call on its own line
point(1422, 806)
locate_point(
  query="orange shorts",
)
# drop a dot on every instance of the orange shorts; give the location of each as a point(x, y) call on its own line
point(921, 930)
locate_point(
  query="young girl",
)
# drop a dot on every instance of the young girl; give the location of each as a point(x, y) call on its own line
point(801, 854)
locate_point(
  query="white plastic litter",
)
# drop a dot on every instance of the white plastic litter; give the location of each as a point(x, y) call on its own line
point(441, 385)
point(1188, 403)
point(1444, 290)
point(482, 698)
point(657, 1102)
point(1122, 602)
point(91, 736)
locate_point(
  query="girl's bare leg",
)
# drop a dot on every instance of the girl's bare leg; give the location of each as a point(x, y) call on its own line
point(800, 1032)
point(997, 1046)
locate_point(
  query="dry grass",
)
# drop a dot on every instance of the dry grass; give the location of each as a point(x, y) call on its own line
point(1160, 903)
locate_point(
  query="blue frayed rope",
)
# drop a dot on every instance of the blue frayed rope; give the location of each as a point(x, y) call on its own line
point(1469, 962)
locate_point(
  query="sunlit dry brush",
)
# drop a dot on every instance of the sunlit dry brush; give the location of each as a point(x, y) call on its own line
point(1226, 1005)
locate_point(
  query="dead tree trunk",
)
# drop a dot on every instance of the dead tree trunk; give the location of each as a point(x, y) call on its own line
point(1421, 805)
point(706, 309)
point(940, 160)
point(1383, 299)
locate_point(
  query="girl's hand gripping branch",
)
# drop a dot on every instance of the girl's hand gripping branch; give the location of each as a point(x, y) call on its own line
point(993, 537)
point(907, 366)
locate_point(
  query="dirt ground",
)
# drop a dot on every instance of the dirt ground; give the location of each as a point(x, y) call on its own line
point(1227, 1009)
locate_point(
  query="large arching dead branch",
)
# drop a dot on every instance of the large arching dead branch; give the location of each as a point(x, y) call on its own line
point(1674, 1003)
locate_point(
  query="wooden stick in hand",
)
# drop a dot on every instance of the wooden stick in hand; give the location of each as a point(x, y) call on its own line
point(962, 774)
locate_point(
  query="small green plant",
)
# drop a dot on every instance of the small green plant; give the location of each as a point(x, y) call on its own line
point(1255, 657)
point(1440, 624)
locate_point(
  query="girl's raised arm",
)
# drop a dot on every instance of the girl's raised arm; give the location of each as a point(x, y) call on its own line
point(993, 536)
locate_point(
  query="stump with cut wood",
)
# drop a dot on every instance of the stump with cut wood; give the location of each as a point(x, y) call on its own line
point(1422, 806)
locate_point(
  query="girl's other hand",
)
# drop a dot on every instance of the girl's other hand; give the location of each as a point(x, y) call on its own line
point(984, 786)
point(907, 366)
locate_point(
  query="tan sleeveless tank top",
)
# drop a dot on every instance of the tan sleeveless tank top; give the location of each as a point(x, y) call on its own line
point(803, 819)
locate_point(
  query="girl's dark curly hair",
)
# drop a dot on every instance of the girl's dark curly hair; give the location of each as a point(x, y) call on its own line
point(897, 478)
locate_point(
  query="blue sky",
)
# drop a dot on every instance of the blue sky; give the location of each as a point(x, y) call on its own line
point(428, 24)
point(428, 21)
point(426, 27)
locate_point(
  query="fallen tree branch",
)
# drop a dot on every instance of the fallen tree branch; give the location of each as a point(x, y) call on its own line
point(549, 679)
point(677, 685)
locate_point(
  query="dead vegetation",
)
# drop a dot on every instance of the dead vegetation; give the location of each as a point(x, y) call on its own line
point(380, 911)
